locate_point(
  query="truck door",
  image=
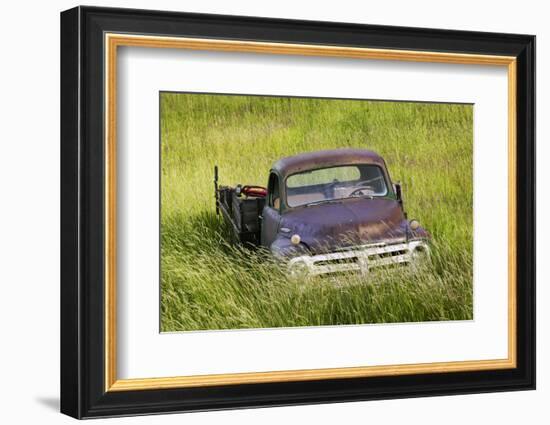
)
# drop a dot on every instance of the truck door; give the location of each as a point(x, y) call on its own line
point(271, 213)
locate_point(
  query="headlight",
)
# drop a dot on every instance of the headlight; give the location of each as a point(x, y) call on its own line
point(295, 239)
point(415, 224)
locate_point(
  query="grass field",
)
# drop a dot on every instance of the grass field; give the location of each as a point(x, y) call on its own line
point(207, 283)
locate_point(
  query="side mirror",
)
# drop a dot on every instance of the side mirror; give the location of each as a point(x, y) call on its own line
point(397, 189)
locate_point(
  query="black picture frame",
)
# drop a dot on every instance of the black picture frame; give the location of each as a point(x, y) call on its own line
point(82, 218)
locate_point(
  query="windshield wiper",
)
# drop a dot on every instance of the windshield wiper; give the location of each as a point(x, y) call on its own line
point(324, 201)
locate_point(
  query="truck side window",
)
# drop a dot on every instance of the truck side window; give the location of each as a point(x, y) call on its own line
point(274, 199)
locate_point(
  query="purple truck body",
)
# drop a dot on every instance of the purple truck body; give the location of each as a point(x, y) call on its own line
point(325, 212)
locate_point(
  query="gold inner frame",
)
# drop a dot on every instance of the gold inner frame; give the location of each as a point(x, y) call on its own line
point(113, 41)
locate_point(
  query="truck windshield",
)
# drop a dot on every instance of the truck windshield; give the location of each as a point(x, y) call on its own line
point(335, 183)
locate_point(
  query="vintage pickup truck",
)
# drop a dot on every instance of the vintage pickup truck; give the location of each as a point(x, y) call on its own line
point(325, 212)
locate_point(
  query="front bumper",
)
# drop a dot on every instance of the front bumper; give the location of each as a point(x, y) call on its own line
point(359, 259)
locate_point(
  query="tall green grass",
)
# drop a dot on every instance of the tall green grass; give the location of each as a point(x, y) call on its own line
point(207, 283)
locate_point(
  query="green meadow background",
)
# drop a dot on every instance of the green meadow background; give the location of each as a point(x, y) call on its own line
point(207, 283)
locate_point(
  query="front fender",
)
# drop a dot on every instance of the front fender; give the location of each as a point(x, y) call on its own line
point(282, 248)
point(420, 233)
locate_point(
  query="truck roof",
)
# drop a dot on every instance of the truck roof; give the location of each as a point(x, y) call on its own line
point(325, 158)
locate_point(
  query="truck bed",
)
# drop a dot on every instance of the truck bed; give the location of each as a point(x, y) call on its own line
point(242, 214)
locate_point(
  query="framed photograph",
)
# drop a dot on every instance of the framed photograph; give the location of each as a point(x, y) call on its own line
point(261, 212)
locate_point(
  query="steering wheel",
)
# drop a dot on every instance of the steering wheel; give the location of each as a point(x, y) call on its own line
point(359, 189)
point(364, 185)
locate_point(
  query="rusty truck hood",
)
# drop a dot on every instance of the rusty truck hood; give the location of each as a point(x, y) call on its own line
point(350, 222)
